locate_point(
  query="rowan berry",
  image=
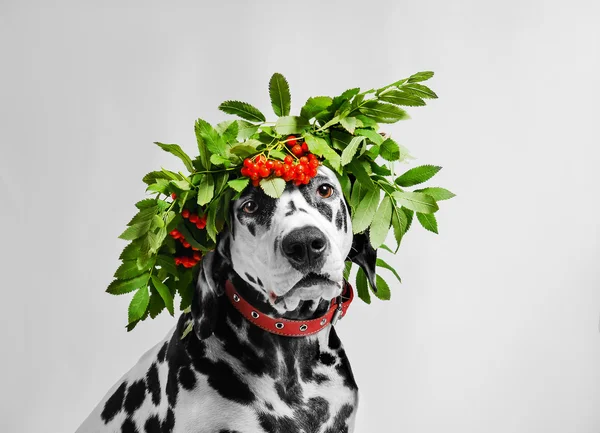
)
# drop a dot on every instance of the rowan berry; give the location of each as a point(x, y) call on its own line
point(269, 164)
point(197, 256)
point(185, 213)
point(303, 160)
point(288, 159)
point(247, 163)
point(305, 147)
point(291, 141)
point(193, 218)
point(297, 150)
point(186, 244)
point(173, 195)
point(255, 182)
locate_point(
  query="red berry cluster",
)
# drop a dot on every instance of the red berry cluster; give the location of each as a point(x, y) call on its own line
point(301, 172)
point(189, 261)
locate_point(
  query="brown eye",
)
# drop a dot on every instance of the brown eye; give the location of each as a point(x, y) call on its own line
point(250, 206)
point(325, 190)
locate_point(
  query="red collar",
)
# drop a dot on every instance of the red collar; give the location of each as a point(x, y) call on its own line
point(288, 327)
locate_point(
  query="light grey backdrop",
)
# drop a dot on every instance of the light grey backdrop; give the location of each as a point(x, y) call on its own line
point(495, 328)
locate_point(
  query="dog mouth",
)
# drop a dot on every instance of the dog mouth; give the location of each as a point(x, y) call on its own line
point(309, 280)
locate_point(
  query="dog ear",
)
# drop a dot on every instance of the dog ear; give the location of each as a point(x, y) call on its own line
point(365, 256)
point(209, 287)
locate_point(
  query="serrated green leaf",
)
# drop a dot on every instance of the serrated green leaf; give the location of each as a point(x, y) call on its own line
point(214, 142)
point(420, 76)
point(228, 131)
point(416, 201)
point(151, 177)
point(417, 175)
point(389, 150)
point(127, 270)
point(243, 110)
point(186, 288)
point(383, 264)
point(349, 152)
point(290, 125)
point(381, 223)
point(358, 170)
point(314, 106)
point(239, 184)
point(409, 217)
point(279, 91)
point(398, 97)
point(437, 193)
point(374, 136)
point(400, 225)
point(347, 269)
point(346, 185)
point(206, 190)
point(144, 215)
point(178, 152)
point(428, 221)
point(120, 287)
point(161, 185)
point(204, 154)
point(245, 129)
point(349, 124)
point(164, 293)
point(365, 211)
point(130, 252)
point(383, 290)
point(419, 90)
point(145, 203)
point(211, 228)
point(273, 187)
point(138, 304)
point(167, 263)
point(155, 304)
point(136, 230)
point(220, 160)
point(362, 287)
point(189, 237)
point(319, 147)
point(384, 113)
point(245, 149)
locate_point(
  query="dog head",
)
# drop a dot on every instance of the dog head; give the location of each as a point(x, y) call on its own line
point(289, 251)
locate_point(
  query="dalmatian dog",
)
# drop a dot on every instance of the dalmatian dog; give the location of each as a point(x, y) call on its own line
point(285, 257)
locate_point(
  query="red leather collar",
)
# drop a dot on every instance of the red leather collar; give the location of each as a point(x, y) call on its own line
point(288, 327)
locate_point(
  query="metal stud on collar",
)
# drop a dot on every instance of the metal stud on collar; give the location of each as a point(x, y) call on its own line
point(323, 321)
point(236, 298)
point(254, 314)
point(303, 327)
point(279, 325)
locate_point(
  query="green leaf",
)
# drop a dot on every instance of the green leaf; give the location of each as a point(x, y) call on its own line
point(389, 150)
point(243, 110)
point(428, 222)
point(279, 91)
point(362, 287)
point(437, 193)
point(136, 230)
point(211, 228)
point(420, 76)
point(381, 223)
point(214, 142)
point(400, 225)
point(374, 136)
point(291, 125)
point(228, 131)
point(384, 113)
point(164, 292)
point(178, 152)
point(383, 290)
point(409, 217)
point(138, 304)
point(273, 187)
point(347, 269)
point(147, 202)
point(349, 124)
point(239, 184)
point(144, 215)
point(365, 211)
point(120, 287)
point(319, 147)
point(245, 149)
point(130, 252)
point(417, 175)
point(186, 288)
point(128, 270)
point(204, 155)
point(167, 263)
point(419, 90)
point(416, 201)
point(361, 175)
point(206, 190)
point(346, 185)
point(349, 152)
point(398, 97)
point(314, 106)
point(155, 304)
point(383, 264)
point(189, 237)
point(245, 129)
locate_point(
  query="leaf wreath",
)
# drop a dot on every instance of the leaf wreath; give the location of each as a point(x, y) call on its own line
point(171, 231)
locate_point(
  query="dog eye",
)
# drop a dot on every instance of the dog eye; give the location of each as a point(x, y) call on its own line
point(325, 190)
point(250, 206)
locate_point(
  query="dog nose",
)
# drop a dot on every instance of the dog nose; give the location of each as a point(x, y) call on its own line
point(305, 247)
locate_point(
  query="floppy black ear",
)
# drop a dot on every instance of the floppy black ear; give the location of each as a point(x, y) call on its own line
point(209, 286)
point(365, 256)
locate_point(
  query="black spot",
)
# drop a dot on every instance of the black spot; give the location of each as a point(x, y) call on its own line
point(161, 353)
point(292, 207)
point(227, 383)
point(273, 424)
point(320, 378)
point(334, 341)
point(114, 404)
point(252, 229)
point(129, 426)
point(152, 425)
point(345, 215)
point(153, 384)
point(260, 283)
point(339, 219)
point(339, 423)
point(250, 277)
point(169, 422)
point(187, 378)
point(327, 358)
point(325, 210)
point(135, 396)
point(268, 405)
point(345, 370)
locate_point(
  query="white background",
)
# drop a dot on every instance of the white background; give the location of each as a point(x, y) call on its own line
point(495, 327)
